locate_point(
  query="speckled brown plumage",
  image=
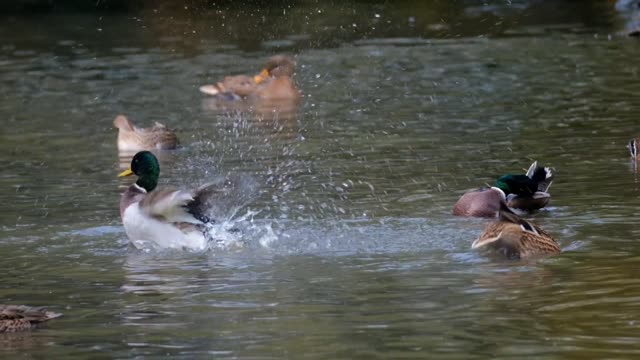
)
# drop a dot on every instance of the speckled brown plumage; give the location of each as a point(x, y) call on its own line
point(132, 138)
point(15, 318)
point(516, 238)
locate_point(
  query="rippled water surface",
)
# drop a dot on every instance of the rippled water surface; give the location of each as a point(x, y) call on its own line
point(348, 248)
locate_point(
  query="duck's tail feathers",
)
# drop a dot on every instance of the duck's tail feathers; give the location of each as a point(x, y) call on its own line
point(210, 89)
point(633, 148)
point(32, 314)
point(48, 315)
point(203, 199)
point(482, 242)
point(543, 176)
point(222, 198)
point(160, 126)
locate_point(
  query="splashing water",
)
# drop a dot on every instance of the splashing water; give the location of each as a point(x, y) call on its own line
point(240, 232)
point(234, 233)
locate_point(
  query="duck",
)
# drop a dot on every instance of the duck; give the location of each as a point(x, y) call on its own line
point(132, 138)
point(14, 318)
point(168, 218)
point(515, 238)
point(522, 193)
point(273, 82)
point(633, 148)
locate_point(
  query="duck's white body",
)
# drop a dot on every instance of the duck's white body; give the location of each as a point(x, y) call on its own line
point(160, 217)
point(140, 227)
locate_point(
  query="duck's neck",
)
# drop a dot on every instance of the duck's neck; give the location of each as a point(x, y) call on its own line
point(147, 182)
point(502, 185)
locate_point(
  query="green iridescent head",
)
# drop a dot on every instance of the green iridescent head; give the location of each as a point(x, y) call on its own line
point(145, 165)
point(520, 185)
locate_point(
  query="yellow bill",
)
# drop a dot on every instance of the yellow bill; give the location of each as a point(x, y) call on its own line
point(127, 172)
point(264, 75)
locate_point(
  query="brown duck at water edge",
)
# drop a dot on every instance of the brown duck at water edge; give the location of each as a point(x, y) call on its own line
point(522, 192)
point(15, 318)
point(274, 82)
point(132, 138)
point(515, 238)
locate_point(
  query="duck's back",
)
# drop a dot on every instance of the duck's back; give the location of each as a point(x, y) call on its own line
point(20, 318)
point(483, 202)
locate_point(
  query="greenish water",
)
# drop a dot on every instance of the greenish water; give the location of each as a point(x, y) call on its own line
point(348, 250)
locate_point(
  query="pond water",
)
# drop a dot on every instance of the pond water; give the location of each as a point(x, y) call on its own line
point(348, 248)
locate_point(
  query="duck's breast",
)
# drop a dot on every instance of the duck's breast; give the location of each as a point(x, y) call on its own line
point(141, 228)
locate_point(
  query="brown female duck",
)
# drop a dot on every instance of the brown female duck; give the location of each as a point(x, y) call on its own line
point(515, 238)
point(132, 138)
point(15, 318)
point(274, 82)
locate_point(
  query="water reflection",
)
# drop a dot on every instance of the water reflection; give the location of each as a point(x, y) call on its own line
point(23, 341)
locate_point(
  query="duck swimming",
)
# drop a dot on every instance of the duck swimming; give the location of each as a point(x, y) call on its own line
point(525, 193)
point(274, 82)
point(132, 138)
point(14, 318)
point(169, 218)
point(515, 238)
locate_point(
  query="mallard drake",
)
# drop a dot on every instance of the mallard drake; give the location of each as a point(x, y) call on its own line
point(515, 238)
point(169, 218)
point(15, 318)
point(132, 138)
point(521, 192)
point(274, 82)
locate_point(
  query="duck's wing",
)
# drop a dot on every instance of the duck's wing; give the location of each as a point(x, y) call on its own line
point(542, 175)
point(539, 244)
point(490, 235)
point(221, 198)
point(204, 199)
point(169, 205)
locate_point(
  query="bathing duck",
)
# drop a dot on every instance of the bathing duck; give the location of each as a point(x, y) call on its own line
point(523, 193)
point(515, 238)
point(169, 218)
point(274, 82)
